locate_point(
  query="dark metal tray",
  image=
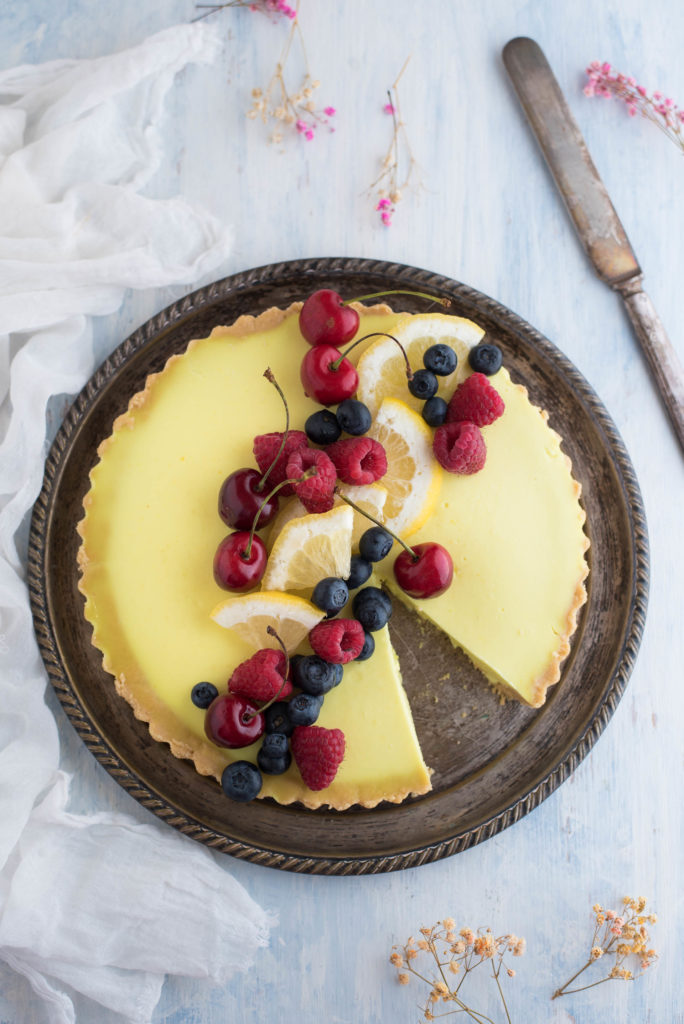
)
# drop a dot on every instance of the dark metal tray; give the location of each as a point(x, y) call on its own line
point(492, 764)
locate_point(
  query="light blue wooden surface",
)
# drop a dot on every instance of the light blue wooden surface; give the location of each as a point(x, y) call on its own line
point(488, 215)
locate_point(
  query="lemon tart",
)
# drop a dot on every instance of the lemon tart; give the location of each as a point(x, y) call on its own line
point(150, 530)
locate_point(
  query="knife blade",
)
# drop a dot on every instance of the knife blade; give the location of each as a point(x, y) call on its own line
point(593, 214)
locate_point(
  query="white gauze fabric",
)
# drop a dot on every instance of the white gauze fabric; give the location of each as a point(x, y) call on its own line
point(97, 906)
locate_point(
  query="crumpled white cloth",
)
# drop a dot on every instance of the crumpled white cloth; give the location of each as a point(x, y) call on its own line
point(100, 905)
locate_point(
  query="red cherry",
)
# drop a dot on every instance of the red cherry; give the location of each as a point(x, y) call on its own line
point(428, 574)
point(323, 320)
point(327, 384)
point(233, 568)
point(239, 500)
point(233, 721)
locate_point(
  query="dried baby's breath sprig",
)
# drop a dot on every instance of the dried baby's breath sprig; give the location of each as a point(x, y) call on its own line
point(296, 110)
point(389, 186)
point(618, 935)
point(455, 955)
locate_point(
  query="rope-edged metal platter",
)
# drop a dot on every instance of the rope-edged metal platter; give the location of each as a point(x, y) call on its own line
point(492, 766)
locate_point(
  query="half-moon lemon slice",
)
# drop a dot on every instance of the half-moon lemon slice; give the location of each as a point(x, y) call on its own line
point(250, 614)
point(414, 477)
point(310, 548)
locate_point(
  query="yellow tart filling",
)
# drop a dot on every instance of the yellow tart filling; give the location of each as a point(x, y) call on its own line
point(151, 529)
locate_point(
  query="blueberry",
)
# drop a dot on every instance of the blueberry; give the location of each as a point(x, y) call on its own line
point(373, 608)
point(440, 359)
point(359, 573)
point(202, 694)
point(354, 417)
point(423, 384)
point(277, 720)
point(330, 595)
point(375, 544)
point(273, 765)
point(315, 676)
point(367, 649)
point(241, 781)
point(434, 411)
point(276, 744)
point(485, 358)
point(274, 756)
point(322, 427)
point(304, 709)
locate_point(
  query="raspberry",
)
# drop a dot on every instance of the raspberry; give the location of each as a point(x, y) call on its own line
point(359, 460)
point(475, 400)
point(265, 450)
point(338, 640)
point(316, 493)
point(318, 753)
point(460, 447)
point(261, 677)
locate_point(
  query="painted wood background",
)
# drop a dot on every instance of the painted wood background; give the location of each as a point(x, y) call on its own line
point(488, 215)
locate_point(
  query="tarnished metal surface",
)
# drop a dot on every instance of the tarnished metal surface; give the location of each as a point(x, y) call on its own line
point(657, 347)
point(588, 203)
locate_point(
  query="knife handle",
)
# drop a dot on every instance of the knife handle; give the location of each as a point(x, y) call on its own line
point(658, 349)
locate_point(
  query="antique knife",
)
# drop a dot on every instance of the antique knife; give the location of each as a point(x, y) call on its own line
point(593, 214)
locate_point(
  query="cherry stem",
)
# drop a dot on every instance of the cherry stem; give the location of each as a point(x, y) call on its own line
point(268, 374)
point(375, 334)
point(271, 632)
point(377, 522)
point(311, 471)
point(441, 299)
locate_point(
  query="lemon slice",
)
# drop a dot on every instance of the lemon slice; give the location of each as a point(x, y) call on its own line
point(414, 477)
point(250, 614)
point(382, 368)
point(370, 497)
point(310, 548)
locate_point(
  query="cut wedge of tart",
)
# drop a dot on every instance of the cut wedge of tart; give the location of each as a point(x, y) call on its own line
point(150, 530)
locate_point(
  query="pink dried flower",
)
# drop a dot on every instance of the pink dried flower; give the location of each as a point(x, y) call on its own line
point(269, 7)
point(296, 109)
point(399, 154)
point(664, 113)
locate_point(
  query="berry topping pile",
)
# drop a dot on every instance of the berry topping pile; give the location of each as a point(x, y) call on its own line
point(330, 473)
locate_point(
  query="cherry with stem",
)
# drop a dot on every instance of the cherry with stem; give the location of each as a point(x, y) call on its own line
point(422, 571)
